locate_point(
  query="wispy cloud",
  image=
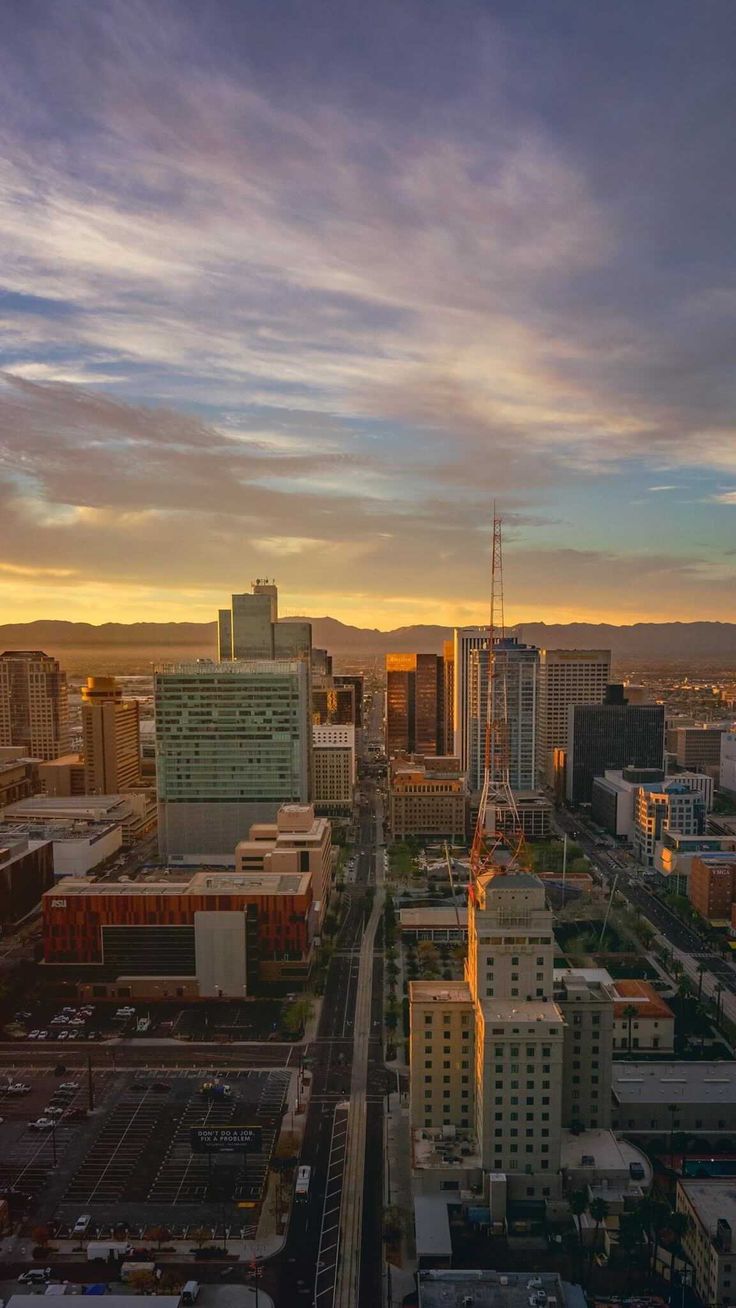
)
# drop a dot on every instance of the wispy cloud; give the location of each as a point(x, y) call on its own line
point(259, 285)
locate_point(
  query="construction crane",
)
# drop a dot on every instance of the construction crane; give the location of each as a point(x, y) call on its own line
point(496, 788)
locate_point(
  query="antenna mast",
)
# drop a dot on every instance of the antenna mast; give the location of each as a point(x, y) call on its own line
point(496, 770)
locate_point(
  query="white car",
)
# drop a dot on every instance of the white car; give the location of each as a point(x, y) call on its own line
point(53, 1110)
point(63, 1035)
point(33, 1035)
point(42, 1124)
point(43, 1035)
point(35, 1276)
point(18, 1088)
point(71, 1086)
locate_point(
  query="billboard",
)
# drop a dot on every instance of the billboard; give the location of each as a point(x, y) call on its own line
point(224, 1139)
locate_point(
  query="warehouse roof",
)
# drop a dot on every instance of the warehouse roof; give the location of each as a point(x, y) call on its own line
point(681, 1082)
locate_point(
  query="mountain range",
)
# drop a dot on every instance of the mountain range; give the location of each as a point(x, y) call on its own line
point(676, 642)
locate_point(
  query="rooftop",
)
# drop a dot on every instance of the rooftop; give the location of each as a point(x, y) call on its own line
point(589, 974)
point(180, 881)
point(432, 917)
point(443, 1148)
point(443, 992)
point(642, 996)
point(712, 1200)
point(514, 1010)
point(57, 830)
point(445, 1287)
point(91, 808)
point(607, 1152)
point(681, 1082)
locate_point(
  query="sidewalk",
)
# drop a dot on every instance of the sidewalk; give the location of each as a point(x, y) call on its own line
point(397, 1192)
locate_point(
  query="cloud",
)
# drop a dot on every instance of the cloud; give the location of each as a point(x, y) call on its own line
point(267, 303)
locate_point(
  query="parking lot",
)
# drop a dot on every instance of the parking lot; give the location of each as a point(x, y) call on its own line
point(65, 1020)
point(129, 1161)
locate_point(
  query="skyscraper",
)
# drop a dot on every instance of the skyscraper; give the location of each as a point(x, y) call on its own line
point(251, 628)
point(611, 735)
point(515, 692)
point(448, 655)
point(110, 737)
point(233, 743)
point(414, 704)
point(566, 676)
point(505, 1038)
point(465, 640)
point(34, 703)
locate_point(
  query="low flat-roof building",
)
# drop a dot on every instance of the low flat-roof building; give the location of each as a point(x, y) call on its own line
point(712, 886)
point(439, 924)
point(134, 812)
point(235, 933)
point(709, 1243)
point(26, 871)
point(78, 848)
point(702, 1095)
point(459, 1287)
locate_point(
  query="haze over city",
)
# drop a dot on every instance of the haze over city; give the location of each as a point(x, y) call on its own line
point(298, 289)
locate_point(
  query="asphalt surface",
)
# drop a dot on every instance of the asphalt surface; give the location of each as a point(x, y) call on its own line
point(681, 936)
point(294, 1276)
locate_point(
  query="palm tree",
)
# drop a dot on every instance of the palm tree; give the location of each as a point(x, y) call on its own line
point(655, 1215)
point(599, 1212)
point(629, 1238)
point(630, 1012)
point(578, 1205)
point(679, 1224)
point(701, 970)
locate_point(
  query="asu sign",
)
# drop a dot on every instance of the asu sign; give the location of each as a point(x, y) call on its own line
point(224, 1139)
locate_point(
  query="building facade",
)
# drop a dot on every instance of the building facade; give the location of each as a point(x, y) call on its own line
point(415, 697)
point(610, 736)
point(111, 738)
point(466, 640)
point(335, 769)
point(515, 697)
point(427, 797)
point(298, 842)
point(728, 764)
point(233, 743)
point(34, 703)
point(26, 872)
point(232, 934)
point(712, 885)
point(708, 1242)
point(671, 806)
point(699, 748)
point(566, 677)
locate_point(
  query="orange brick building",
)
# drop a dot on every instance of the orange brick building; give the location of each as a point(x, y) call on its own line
point(712, 885)
point(233, 932)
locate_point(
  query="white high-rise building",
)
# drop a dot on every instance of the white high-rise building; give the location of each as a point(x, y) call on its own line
point(233, 743)
point(566, 676)
point(466, 640)
point(515, 693)
point(728, 763)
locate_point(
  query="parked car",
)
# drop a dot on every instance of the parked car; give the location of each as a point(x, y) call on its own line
point(18, 1088)
point(35, 1276)
point(42, 1124)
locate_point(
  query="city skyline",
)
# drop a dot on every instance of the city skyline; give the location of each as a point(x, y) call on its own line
point(298, 291)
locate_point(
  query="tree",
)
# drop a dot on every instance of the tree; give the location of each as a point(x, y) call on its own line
point(578, 1205)
point(678, 1225)
point(630, 1012)
point(142, 1280)
point(654, 1215)
point(199, 1234)
point(701, 970)
point(160, 1234)
point(599, 1213)
point(41, 1236)
point(629, 1237)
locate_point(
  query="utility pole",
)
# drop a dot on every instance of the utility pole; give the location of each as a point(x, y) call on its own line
point(90, 1085)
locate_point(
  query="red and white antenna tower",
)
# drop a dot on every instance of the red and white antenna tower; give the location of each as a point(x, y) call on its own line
point(496, 771)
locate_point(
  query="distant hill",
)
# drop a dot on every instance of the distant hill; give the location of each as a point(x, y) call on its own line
point(674, 642)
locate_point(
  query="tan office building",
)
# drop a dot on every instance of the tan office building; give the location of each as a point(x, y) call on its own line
point(297, 842)
point(565, 677)
point(111, 738)
point(334, 769)
point(34, 703)
point(427, 797)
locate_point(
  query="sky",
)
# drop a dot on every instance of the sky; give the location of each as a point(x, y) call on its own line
point(299, 289)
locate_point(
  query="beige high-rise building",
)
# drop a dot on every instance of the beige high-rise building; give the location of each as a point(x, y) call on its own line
point(111, 738)
point(502, 1031)
point(297, 842)
point(34, 703)
point(565, 677)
